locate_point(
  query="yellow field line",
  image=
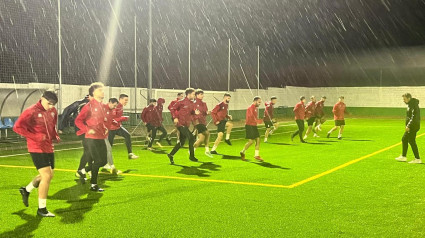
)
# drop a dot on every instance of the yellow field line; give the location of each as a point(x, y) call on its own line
point(166, 177)
point(345, 165)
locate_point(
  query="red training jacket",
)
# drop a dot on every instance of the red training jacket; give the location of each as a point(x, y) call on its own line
point(219, 112)
point(184, 111)
point(118, 117)
point(252, 116)
point(339, 111)
point(150, 116)
point(299, 111)
point(319, 108)
point(39, 127)
point(172, 105)
point(310, 110)
point(268, 112)
point(203, 109)
point(160, 108)
point(93, 116)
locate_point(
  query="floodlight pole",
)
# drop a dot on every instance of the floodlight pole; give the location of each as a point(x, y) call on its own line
point(258, 70)
point(228, 69)
point(189, 61)
point(150, 54)
point(135, 64)
point(60, 58)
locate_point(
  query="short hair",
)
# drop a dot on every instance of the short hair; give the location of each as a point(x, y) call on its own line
point(407, 95)
point(302, 98)
point(123, 95)
point(95, 86)
point(179, 94)
point(227, 95)
point(274, 97)
point(189, 91)
point(324, 97)
point(341, 97)
point(256, 98)
point(50, 96)
point(113, 100)
point(152, 100)
point(199, 91)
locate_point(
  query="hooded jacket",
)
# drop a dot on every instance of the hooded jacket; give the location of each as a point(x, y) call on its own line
point(413, 115)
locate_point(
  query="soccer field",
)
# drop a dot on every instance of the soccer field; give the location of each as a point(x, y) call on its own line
point(328, 187)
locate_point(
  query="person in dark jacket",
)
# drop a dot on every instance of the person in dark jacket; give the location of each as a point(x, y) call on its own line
point(70, 113)
point(413, 124)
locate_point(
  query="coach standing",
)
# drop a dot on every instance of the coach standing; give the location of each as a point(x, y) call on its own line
point(413, 124)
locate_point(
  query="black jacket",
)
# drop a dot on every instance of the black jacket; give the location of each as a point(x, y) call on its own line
point(413, 115)
point(70, 113)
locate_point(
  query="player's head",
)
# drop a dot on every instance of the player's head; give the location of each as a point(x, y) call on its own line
point(302, 99)
point(49, 99)
point(313, 98)
point(152, 101)
point(257, 101)
point(323, 99)
point(123, 99)
point(190, 93)
point(226, 98)
point(341, 98)
point(112, 103)
point(180, 96)
point(160, 101)
point(96, 91)
point(407, 97)
point(199, 94)
point(273, 100)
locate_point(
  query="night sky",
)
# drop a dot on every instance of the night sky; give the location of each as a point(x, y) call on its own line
point(302, 42)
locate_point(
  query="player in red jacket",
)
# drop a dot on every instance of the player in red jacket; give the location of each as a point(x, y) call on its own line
point(38, 125)
point(183, 112)
point(118, 129)
point(220, 117)
point(92, 121)
point(110, 106)
point(339, 111)
point(310, 115)
point(152, 118)
point(269, 121)
point(200, 122)
point(299, 111)
point(320, 115)
point(179, 98)
point(251, 129)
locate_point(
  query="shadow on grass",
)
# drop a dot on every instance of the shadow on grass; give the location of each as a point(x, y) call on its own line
point(328, 141)
point(317, 143)
point(80, 206)
point(202, 170)
point(231, 157)
point(269, 165)
point(356, 140)
point(24, 230)
point(277, 143)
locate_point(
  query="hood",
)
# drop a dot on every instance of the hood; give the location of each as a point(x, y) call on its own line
point(413, 102)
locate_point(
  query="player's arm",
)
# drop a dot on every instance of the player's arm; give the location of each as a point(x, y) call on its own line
point(214, 113)
point(80, 120)
point(55, 121)
point(23, 124)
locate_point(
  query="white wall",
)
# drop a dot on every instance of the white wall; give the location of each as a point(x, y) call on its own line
point(241, 98)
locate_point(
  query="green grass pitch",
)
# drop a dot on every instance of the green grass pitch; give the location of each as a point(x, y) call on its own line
point(227, 197)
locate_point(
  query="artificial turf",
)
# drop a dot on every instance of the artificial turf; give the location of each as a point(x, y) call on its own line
point(376, 196)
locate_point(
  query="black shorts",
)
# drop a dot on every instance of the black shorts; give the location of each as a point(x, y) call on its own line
point(42, 160)
point(252, 132)
point(268, 124)
point(221, 127)
point(149, 127)
point(201, 128)
point(311, 121)
point(339, 122)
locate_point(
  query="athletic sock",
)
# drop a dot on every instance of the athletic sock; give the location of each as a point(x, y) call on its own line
point(257, 152)
point(227, 136)
point(83, 171)
point(93, 185)
point(339, 135)
point(214, 148)
point(29, 187)
point(243, 151)
point(42, 203)
point(207, 149)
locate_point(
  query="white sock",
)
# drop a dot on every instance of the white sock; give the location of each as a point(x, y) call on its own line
point(265, 139)
point(257, 152)
point(214, 148)
point(227, 136)
point(93, 185)
point(207, 149)
point(194, 149)
point(339, 135)
point(112, 166)
point(83, 171)
point(42, 203)
point(329, 132)
point(29, 187)
point(243, 151)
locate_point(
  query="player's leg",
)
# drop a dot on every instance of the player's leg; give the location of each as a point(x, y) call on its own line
point(25, 191)
point(201, 138)
point(229, 126)
point(245, 148)
point(98, 152)
point(414, 147)
point(152, 139)
point(163, 134)
point(341, 130)
point(46, 175)
point(268, 129)
point(257, 149)
point(217, 142)
point(127, 137)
